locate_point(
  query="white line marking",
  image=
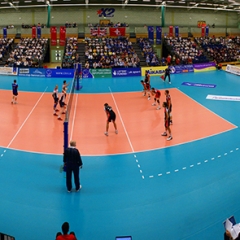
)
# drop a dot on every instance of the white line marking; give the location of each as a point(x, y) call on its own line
point(136, 160)
point(121, 120)
point(74, 117)
point(198, 163)
point(140, 171)
point(212, 158)
point(4, 151)
point(139, 165)
point(225, 154)
point(135, 156)
point(191, 165)
point(219, 156)
point(142, 177)
point(26, 118)
point(206, 161)
point(1, 155)
point(184, 168)
point(237, 149)
point(231, 151)
point(160, 174)
point(176, 170)
point(151, 176)
point(167, 172)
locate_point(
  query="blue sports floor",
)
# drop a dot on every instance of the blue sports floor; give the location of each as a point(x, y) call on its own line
point(187, 191)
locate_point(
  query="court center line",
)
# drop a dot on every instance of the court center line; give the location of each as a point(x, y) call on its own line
point(121, 120)
point(27, 118)
point(74, 116)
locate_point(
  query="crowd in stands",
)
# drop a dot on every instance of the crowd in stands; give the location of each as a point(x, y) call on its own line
point(221, 49)
point(70, 57)
point(29, 52)
point(148, 52)
point(5, 47)
point(110, 52)
point(110, 24)
point(186, 50)
point(34, 25)
point(70, 25)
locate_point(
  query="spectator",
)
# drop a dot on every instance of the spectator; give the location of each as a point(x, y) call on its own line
point(64, 235)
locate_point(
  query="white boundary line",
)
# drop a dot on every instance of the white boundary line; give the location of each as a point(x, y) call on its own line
point(74, 116)
point(121, 120)
point(27, 118)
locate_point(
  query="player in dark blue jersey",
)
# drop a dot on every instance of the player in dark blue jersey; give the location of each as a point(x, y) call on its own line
point(14, 91)
point(55, 99)
point(111, 117)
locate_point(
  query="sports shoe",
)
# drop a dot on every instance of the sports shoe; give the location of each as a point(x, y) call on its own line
point(56, 110)
point(154, 104)
point(149, 98)
point(116, 131)
point(106, 133)
point(158, 108)
point(77, 190)
point(169, 138)
point(164, 134)
point(69, 191)
point(144, 94)
point(170, 83)
point(59, 119)
point(55, 114)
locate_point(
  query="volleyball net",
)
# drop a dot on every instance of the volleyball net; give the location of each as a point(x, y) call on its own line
point(75, 85)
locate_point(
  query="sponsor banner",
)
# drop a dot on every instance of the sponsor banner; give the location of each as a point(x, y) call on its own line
point(34, 32)
point(153, 71)
point(202, 67)
point(39, 32)
point(182, 68)
point(97, 73)
point(4, 32)
point(233, 69)
point(170, 31)
point(126, 72)
point(207, 31)
point(62, 36)
point(59, 73)
point(176, 31)
point(53, 32)
point(158, 35)
point(150, 34)
point(203, 31)
point(86, 73)
point(32, 72)
point(223, 98)
point(8, 71)
point(191, 84)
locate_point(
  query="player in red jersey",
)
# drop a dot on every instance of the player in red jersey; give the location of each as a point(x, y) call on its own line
point(157, 95)
point(111, 117)
point(148, 89)
point(169, 104)
point(167, 122)
point(147, 77)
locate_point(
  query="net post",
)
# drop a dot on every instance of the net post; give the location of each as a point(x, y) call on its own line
point(65, 133)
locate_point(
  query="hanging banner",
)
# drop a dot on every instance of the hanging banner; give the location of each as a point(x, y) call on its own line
point(121, 31)
point(163, 15)
point(4, 32)
point(53, 31)
point(150, 34)
point(170, 31)
point(203, 32)
point(34, 32)
point(176, 31)
point(39, 32)
point(158, 35)
point(62, 36)
point(207, 31)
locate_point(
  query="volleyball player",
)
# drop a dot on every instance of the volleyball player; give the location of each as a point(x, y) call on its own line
point(144, 87)
point(148, 89)
point(167, 122)
point(55, 99)
point(157, 95)
point(65, 85)
point(14, 92)
point(169, 104)
point(62, 104)
point(111, 117)
point(167, 74)
point(147, 77)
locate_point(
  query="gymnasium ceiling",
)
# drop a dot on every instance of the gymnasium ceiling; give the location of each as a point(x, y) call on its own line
point(215, 5)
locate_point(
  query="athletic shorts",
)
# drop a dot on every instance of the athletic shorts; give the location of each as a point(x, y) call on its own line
point(15, 93)
point(62, 104)
point(167, 123)
point(111, 117)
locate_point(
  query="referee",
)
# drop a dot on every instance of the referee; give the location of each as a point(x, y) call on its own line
point(72, 162)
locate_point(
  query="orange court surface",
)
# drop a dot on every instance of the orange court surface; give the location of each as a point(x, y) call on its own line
point(31, 126)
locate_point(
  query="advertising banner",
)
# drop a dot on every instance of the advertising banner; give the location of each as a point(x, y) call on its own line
point(59, 73)
point(153, 71)
point(8, 71)
point(34, 32)
point(207, 31)
point(158, 35)
point(150, 34)
point(204, 85)
point(170, 31)
point(97, 73)
point(39, 32)
point(233, 69)
point(4, 32)
point(31, 72)
point(203, 31)
point(126, 72)
point(62, 36)
point(53, 32)
point(203, 67)
point(182, 68)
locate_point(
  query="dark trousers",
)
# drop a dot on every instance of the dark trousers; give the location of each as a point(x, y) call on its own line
point(167, 75)
point(72, 168)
